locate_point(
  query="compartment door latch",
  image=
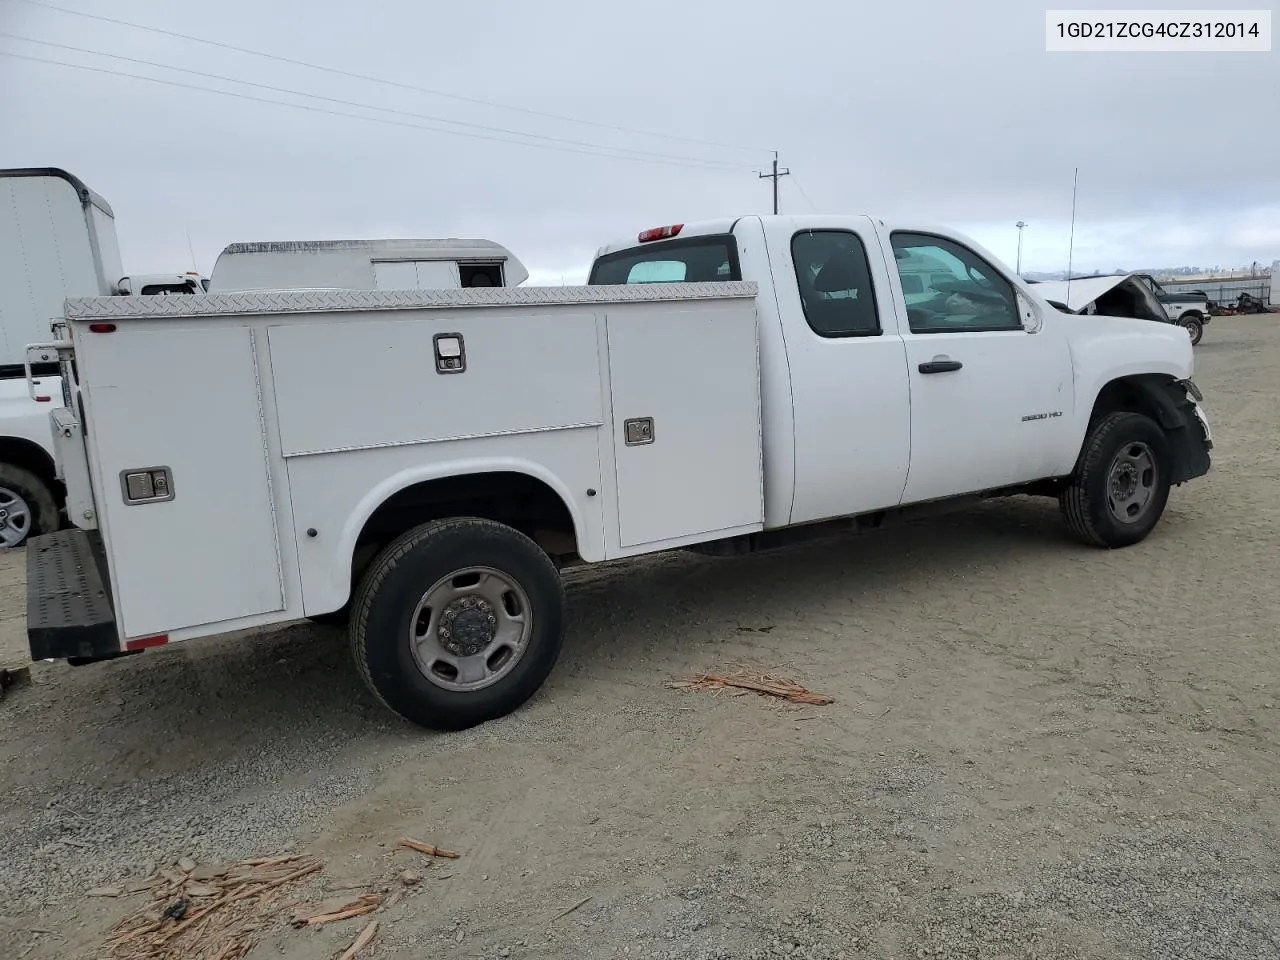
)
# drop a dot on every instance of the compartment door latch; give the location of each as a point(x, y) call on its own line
point(451, 353)
point(638, 431)
point(147, 485)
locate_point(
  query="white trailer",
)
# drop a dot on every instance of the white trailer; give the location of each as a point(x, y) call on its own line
point(442, 264)
point(57, 240)
point(231, 462)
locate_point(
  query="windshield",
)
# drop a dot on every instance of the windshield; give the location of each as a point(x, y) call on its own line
point(1154, 286)
point(686, 260)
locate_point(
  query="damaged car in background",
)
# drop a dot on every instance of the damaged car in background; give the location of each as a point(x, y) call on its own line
point(1118, 295)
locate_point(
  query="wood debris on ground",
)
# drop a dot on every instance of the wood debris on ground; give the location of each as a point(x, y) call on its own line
point(355, 907)
point(362, 941)
point(765, 684)
point(214, 913)
point(427, 849)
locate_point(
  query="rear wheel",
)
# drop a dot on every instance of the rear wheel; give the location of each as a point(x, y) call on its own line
point(1121, 485)
point(1194, 327)
point(27, 506)
point(457, 622)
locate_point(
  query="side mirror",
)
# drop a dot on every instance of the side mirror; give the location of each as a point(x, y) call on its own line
point(1029, 314)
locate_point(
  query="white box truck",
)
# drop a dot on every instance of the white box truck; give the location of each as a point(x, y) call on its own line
point(427, 459)
point(57, 240)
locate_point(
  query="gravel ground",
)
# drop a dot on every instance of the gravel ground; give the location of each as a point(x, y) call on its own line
point(1036, 750)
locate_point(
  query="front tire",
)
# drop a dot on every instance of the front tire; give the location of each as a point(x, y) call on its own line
point(1121, 483)
point(1194, 327)
point(457, 622)
point(28, 507)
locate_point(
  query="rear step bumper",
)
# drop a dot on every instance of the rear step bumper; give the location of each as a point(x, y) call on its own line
point(69, 610)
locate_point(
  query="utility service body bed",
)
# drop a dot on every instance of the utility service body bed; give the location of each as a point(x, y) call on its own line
point(235, 446)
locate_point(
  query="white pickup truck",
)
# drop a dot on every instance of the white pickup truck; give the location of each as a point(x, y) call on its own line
point(723, 385)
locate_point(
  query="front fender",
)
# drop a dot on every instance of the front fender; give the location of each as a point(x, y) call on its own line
point(1105, 350)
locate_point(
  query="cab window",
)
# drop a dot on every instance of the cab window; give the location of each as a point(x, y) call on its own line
point(964, 292)
point(683, 260)
point(834, 277)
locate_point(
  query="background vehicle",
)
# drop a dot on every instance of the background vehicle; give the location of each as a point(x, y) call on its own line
point(1187, 307)
point(57, 240)
point(366, 265)
point(162, 284)
point(1119, 295)
point(777, 385)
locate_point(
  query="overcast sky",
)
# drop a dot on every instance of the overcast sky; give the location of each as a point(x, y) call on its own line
point(939, 110)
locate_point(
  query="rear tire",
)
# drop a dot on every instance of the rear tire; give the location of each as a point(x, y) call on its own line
point(1121, 483)
point(28, 507)
point(418, 615)
point(1194, 327)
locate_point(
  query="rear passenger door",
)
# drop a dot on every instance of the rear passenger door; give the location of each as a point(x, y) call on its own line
point(849, 384)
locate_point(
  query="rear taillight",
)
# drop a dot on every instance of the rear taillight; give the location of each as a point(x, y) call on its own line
point(661, 233)
point(145, 643)
point(102, 328)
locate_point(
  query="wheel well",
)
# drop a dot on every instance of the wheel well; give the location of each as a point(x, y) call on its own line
point(518, 500)
point(1163, 399)
point(1136, 394)
point(31, 456)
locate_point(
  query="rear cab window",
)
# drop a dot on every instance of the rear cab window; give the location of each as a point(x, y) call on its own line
point(833, 275)
point(697, 259)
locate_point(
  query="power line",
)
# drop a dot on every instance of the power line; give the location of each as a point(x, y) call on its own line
point(774, 176)
point(382, 80)
point(371, 106)
point(354, 116)
point(803, 194)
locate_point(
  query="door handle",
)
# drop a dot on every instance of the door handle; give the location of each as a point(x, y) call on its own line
point(940, 365)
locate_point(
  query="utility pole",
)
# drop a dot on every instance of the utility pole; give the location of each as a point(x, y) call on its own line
point(1018, 269)
point(774, 177)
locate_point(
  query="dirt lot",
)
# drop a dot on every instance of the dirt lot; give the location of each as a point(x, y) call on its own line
point(1037, 750)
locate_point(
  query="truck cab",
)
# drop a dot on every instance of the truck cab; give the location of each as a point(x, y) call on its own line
point(904, 363)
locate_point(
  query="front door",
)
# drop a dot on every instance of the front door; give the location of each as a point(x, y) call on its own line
point(990, 399)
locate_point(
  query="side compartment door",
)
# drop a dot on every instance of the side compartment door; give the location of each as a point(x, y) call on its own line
point(685, 392)
point(185, 500)
point(991, 397)
point(847, 366)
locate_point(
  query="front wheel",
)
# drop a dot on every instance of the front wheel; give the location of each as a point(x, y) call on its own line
point(1121, 484)
point(1194, 328)
point(457, 622)
point(27, 506)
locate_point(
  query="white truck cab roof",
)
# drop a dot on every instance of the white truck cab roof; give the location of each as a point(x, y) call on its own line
point(700, 228)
